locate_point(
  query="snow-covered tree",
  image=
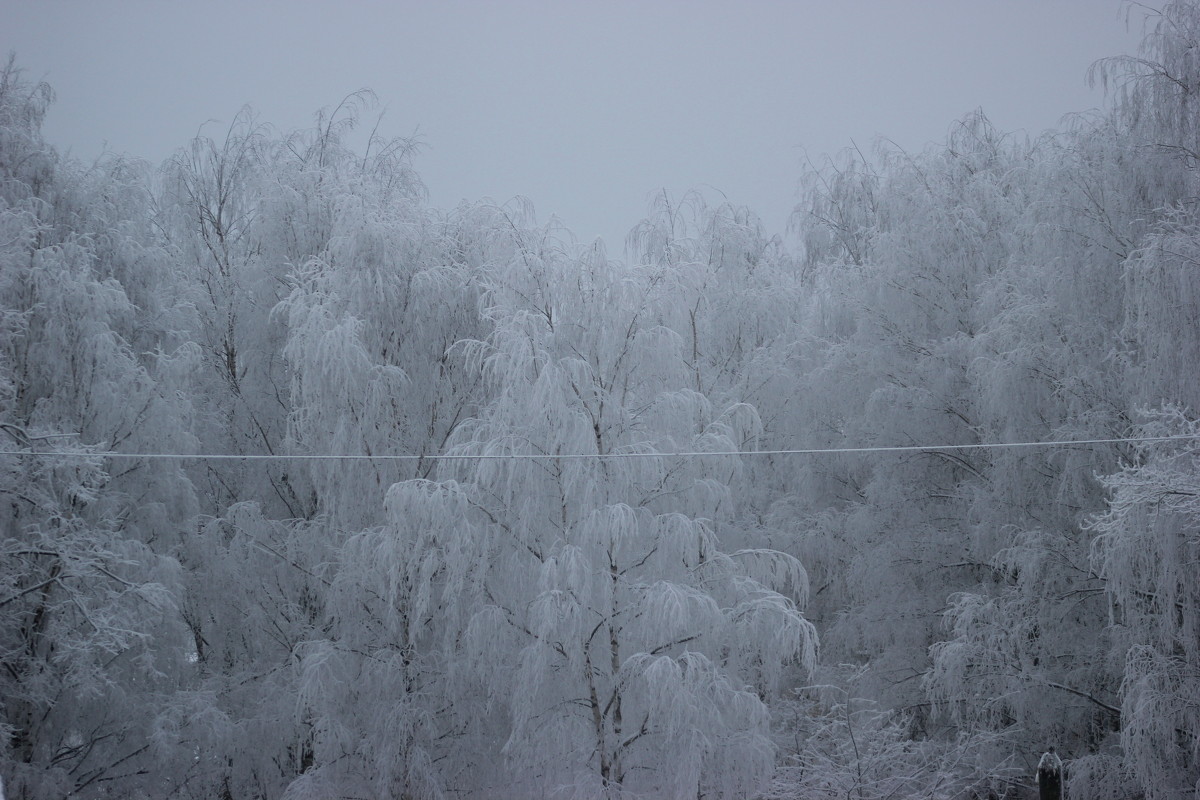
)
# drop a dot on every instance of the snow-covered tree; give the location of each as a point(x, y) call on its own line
point(91, 639)
point(1146, 551)
point(607, 639)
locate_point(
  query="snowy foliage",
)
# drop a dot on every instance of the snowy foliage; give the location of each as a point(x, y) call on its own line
point(491, 520)
point(1147, 546)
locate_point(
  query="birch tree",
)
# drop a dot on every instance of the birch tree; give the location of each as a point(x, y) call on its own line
point(642, 651)
point(231, 266)
point(90, 642)
point(1145, 550)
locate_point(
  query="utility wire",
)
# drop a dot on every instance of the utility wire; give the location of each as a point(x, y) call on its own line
point(816, 451)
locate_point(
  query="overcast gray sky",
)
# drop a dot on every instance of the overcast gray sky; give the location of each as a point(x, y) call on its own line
point(585, 108)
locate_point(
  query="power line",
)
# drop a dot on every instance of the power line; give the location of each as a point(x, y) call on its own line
point(816, 451)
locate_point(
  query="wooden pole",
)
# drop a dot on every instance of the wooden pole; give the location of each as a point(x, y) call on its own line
point(1049, 775)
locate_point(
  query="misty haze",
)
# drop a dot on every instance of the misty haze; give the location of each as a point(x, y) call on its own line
point(319, 483)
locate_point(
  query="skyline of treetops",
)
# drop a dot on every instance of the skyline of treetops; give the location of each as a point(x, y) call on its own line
point(724, 518)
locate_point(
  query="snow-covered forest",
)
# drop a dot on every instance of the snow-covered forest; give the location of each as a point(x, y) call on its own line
point(313, 490)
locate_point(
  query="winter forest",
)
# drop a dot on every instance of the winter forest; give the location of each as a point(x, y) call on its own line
point(311, 490)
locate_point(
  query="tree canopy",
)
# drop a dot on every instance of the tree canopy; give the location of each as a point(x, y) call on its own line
point(311, 489)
